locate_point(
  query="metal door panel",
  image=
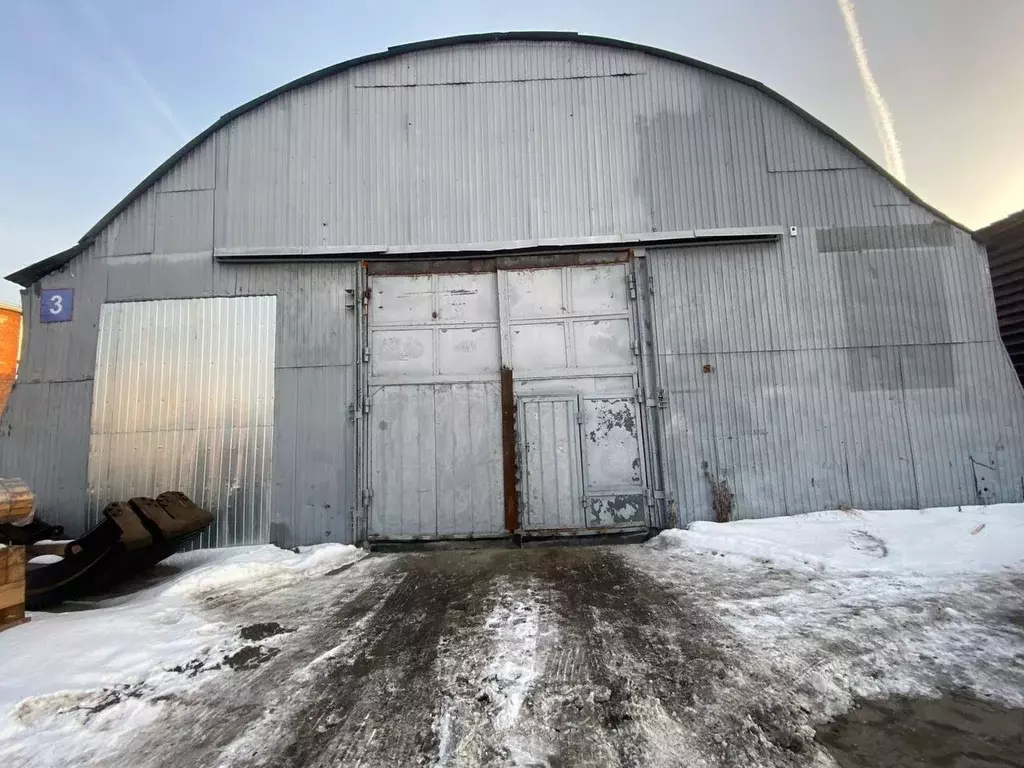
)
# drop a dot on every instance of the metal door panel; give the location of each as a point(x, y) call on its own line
point(402, 351)
point(538, 346)
point(602, 343)
point(468, 350)
point(467, 439)
point(552, 490)
point(434, 420)
point(402, 300)
point(467, 298)
point(599, 290)
point(613, 464)
point(403, 461)
point(535, 293)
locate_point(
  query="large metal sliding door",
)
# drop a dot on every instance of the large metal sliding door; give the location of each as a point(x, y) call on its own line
point(435, 427)
point(434, 406)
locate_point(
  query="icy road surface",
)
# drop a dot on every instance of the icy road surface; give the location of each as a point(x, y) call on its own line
point(725, 645)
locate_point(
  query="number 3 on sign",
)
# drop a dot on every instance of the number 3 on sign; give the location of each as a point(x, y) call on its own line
point(56, 305)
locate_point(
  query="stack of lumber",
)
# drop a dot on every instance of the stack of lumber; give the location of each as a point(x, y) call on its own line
point(12, 586)
point(17, 502)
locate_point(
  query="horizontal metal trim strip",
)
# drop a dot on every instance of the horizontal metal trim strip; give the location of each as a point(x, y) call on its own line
point(603, 530)
point(313, 366)
point(831, 348)
point(574, 373)
point(428, 379)
point(354, 252)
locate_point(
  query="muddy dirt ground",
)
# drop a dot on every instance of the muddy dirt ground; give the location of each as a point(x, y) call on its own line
point(547, 657)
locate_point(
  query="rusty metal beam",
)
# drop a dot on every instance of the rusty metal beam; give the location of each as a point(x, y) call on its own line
point(509, 458)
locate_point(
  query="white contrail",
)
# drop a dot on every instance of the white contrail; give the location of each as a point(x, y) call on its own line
point(883, 118)
point(149, 93)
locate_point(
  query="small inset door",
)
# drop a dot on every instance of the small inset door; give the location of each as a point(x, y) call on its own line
point(583, 465)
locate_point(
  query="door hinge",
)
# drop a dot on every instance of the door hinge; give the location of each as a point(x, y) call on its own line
point(367, 496)
point(366, 354)
point(662, 398)
point(579, 417)
point(634, 348)
point(632, 287)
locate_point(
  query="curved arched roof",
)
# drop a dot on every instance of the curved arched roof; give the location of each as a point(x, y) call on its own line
point(33, 272)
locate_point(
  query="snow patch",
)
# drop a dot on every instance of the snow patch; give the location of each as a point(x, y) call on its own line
point(849, 604)
point(255, 567)
point(945, 540)
point(78, 680)
point(514, 666)
point(46, 559)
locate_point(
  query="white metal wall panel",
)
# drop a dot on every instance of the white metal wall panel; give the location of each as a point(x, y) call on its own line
point(64, 351)
point(314, 456)
point(44, 439)
point(815, 403)
point(184, 221)
point(791, 148)
point(133, 230)
point(171, 276)
point(196, 170)
point(184, 400)
point(315, 310)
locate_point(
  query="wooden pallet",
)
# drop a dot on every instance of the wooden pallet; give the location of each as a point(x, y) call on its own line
point(17, 502)
point(12, 587)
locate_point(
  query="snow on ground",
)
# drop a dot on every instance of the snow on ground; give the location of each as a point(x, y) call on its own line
point(854, 604)
point(928, 541)
point(719, 643)
point(64, 672)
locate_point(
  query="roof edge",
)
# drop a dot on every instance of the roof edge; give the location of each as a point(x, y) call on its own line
point(41, 268)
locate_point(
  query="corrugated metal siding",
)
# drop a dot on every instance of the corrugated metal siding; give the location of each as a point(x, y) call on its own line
point(787, 149)
point(184, 221)
point(132, 231)
point(197, 170)
point(184, 400)
point(64, 351)
point(640, 144)
point(44, 439)
point(168, 276)
point(315, 308)
point(825, 389)
point(314, 456)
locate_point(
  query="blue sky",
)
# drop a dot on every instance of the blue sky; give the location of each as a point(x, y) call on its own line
point(97, 93)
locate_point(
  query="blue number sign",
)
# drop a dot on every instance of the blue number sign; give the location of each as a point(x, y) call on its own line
point(56, 305)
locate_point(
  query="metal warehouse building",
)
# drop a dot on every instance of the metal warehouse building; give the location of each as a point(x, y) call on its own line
point(517, 283)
